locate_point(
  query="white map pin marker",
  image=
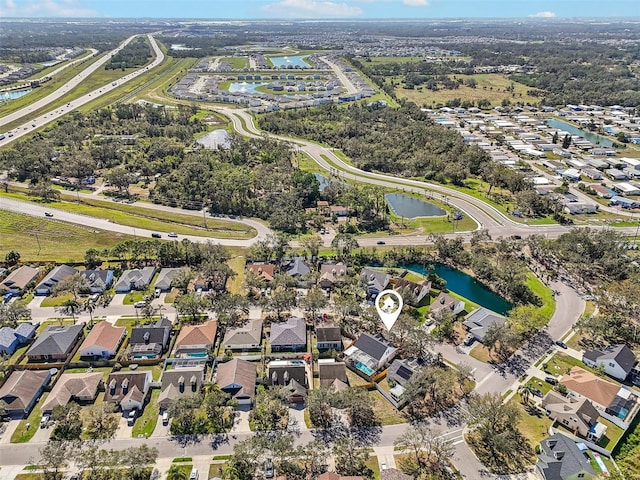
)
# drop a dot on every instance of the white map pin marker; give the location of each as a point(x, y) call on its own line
point(389, 305)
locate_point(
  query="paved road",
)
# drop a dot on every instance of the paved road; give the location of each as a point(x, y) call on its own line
point(346, 81)
point(50, 116)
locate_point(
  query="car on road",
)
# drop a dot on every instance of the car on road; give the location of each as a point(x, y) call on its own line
point(156, 235)
point(561, 344)
point(48, 214)
point(172, 235)
point(140, 304)
point(381, 242)
point(551, 380)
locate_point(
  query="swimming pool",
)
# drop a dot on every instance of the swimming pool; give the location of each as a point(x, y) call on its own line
point(363, 368)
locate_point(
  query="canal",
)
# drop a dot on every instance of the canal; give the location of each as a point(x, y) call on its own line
point(572, 129)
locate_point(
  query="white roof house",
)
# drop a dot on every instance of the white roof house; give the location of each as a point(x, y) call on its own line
point(627, 188)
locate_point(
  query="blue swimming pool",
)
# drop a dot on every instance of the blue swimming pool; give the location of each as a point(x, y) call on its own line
point(363, 368)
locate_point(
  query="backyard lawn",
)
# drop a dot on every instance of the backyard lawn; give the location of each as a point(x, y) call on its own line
point(561, 363)
point(386, 412)
point(534, 424)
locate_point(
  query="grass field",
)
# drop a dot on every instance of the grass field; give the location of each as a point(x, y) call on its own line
point(386, 412)
point(140, 217)
point(22, 434)
point(490, 86)
point(544, 292)
point(561, 363)
point(236, 284)
point(237, 63)
point(42, 239)
point(146, 423)
point(535, 425)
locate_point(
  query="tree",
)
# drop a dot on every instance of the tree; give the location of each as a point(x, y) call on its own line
point(101, 422)
point(44, 190)
point(12, 257)
point(68, 424)
point(525, 320)
point(177, 473)
point(187, 418)
point(192, 305)
point(270, 412)
point(73, 284)
point(495, 437)
point(319, 402)
point(230, 308)
point(555, 138)
point(314, 301)
point(430, 452)
point(216, 403)
point(281, 299)
point(566, 141)
point(344, 244)
point(137, 461)
point(243, 463)
point(54, 457)
point(182, 279)
point(12, 313)
point(351, 458)
point(92, 258)
point(120, 178)
point(312, 245)
point(359, 408)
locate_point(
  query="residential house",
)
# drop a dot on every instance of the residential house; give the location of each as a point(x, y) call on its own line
point(478, 321)
point(445, 303)
point(335, 476)
point(561, 459)
point(98, 280)
point(265, 270)
point(137, 279)
point(238, 378)
point(332, 374)
point(332, 273)
point(578, 415)
point(150, 341)
point(55, 343)
point(394, 474)
point(419, 290)
point(127, 389)
point(329, 337)
point(165, 278)
point(370, 354)
point(602, 192)
point(582, 383)
point(180, 382)
point(399, 373)
point(17, 281)
point(196, 341)
point(13, 338)
point(289, 335)
point(616, 360)
point(22, 389)
point(376, 281)
point(80, 387)
point(299, 270)
point(53, 278)
point(291, 374)
point(246, 337)
point(103, 341)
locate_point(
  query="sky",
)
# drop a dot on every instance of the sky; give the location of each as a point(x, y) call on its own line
point(320, 9)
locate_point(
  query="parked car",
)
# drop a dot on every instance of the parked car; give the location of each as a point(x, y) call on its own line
point(194, 474)
point(44, 421)
point(561, 344)
point(157, 293)
point(468, 340)
point(537, 392)
point(268, 469)
point(551, 380)
point(140, 304)
point(165, 418)
point(131, 418)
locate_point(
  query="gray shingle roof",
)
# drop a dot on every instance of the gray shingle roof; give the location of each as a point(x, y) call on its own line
point(479, 321)
point(291, 332)
point(621, 354)
point(561, 458)
point(372, 346)
point(298, 268)
point(55, 340)
point(55, 276)
point(328, 334)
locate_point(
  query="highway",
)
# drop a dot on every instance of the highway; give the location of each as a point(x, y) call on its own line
point(35, 123)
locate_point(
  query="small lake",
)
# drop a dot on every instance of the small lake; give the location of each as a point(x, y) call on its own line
point(572, 129)
point(4, 96)
point(325, 182)
point(462, 284)
point(411, 207)
point(294, 61)
point(216, 138)
point(181, 46)
point(245, 87)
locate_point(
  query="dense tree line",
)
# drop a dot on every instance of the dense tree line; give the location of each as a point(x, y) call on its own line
point(135, 54)
point(400, 141)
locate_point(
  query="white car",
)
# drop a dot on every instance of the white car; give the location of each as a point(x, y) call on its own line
point(140, 304)
point(172, 235)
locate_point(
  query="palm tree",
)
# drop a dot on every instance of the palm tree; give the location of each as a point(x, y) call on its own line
point(177, 473)
point(525, 393)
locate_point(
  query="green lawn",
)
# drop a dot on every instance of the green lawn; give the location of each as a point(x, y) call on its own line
point(534, 424)
point(611, 436)
point(45, 240)
point(237, 63)
point(386, 412)
point(561, 363)
point(236, 284)
point(106, 371)
point(372, 463)
point(23, 434)
point(56, 301)
point(146, 423)
point(545, 294)
point(540, 384)
point(215, 470)
point(29, 476)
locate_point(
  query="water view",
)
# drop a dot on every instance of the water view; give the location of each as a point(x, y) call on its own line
point(13, 95)
point(245, 87)
point(467, 286)
point(411, 207)
point(294, 61)
point(325, 182)
point(567, 127)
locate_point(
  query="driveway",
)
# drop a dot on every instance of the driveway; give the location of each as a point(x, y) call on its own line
point(123, 430)
point(241, 421)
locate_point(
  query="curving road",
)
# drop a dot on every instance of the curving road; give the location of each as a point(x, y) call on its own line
point(35, 123)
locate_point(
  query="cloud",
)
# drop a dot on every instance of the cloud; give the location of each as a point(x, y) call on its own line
point(311, 9)
point(416, 3)
point(45, 8)
point(543, 15)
